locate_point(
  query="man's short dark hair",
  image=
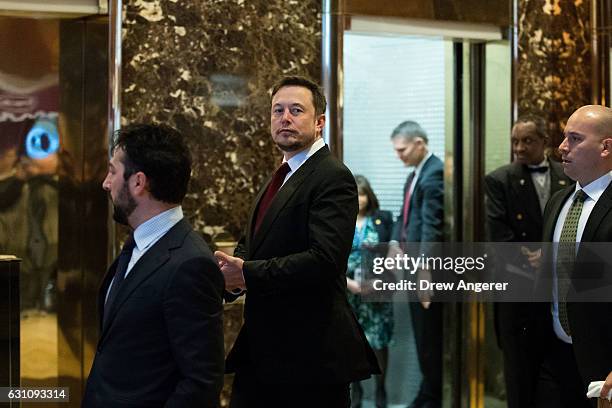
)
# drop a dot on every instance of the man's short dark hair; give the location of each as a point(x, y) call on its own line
point(409, 130)
point(318, 99)
point(539, 123)
point(160, 152)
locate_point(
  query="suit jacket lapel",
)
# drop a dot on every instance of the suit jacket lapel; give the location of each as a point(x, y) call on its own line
point(253, 212)
point(424, 172)
point(108, 277)
point(147, 265)
point(281, 199)
point(602, 207)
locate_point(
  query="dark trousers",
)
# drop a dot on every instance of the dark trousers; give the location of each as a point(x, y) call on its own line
point(249, 392)
point(522, 370)
point(427, 325)
point(560, 384)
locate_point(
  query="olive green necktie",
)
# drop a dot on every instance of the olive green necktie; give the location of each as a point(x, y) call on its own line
point(566, 255)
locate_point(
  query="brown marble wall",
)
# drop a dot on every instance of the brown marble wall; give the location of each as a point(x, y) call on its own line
point(205, 67)
point(553, 65)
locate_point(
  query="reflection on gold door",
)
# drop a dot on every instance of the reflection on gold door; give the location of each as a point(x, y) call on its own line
point(53, 213)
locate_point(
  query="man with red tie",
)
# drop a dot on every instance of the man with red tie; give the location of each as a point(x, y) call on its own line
point(421, 220)
point(300, 345)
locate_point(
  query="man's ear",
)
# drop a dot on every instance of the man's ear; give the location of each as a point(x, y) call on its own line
point(139, 183)
point(320, 123)
point(607, 147)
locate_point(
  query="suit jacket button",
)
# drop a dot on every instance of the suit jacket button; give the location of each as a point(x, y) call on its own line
point(523, 234)
point(519, 216)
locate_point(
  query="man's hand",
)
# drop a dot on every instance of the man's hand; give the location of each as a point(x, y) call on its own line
point(605, 389)
point(533, 257)
point(394, 250)
point(232, 271)
point(353, 286)
point(424, 295)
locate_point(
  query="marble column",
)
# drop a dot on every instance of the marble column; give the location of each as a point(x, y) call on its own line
point(206, 67)
point(552, 60)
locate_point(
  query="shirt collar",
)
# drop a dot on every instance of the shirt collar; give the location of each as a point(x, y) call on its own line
point(419, 167)
point(155, 227)
point(596, 187)
point(296, 161)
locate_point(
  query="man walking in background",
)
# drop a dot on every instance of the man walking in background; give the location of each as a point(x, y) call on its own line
point(421, 220)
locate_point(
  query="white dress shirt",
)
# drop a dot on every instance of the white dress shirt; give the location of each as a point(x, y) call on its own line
point(300, 158)
point(593, 190)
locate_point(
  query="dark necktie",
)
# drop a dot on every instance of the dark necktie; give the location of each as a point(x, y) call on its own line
point(541, 169)
point(566, 255)
point(122, 265)
point(406, 208)
point(273, 187)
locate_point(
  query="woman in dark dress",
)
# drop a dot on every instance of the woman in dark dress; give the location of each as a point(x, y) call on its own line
point(373, 226)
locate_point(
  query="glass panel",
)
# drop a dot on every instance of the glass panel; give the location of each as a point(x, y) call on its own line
point(497, 104)
point(497, 153)
point(383, 86)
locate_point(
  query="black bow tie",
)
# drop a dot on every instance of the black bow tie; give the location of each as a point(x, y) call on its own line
point(542, 169)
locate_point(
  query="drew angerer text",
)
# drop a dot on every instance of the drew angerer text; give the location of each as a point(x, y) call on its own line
point(425, 285)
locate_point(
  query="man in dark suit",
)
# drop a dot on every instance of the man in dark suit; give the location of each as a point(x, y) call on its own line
point(574, 216)
point(517, 194)
point(421, 220)
point(161, 341)
point(300, 344)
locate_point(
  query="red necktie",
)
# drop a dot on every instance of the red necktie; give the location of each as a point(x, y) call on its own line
point(406, 209)
point(273, 187)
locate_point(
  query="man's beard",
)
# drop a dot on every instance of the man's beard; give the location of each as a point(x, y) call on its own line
point(291, 147)
point(122, 212)
point(296, 145)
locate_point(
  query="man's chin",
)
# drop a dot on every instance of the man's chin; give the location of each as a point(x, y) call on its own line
point(291, 147)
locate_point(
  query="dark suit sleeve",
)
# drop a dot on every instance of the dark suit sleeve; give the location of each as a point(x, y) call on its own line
point(432, 209)
point(497, 212)
point(240, 251)
point(396, 233)
point(193, 312)
point(331, 225)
